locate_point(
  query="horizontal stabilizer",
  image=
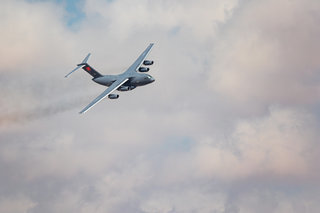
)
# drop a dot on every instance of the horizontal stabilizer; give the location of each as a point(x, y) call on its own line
point(84, 62)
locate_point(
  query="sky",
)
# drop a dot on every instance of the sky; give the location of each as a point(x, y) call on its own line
point(231, 124)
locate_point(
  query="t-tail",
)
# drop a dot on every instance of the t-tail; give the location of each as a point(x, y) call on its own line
point(86, 67)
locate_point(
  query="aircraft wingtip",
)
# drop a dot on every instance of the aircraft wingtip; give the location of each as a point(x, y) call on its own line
point(82, 112)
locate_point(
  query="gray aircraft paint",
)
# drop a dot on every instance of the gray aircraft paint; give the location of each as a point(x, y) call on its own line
point(126, 81)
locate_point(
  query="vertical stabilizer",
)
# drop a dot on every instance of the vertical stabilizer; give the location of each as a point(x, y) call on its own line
point(86, 68)
point(91, 71)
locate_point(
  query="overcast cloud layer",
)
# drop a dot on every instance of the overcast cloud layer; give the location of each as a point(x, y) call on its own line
point(231, 124)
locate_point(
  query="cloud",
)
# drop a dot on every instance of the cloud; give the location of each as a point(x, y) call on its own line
point(202, 138)
point(271, 147)
point(125, 18)
point(263, 58)
point(32, 36)
point(16, 205)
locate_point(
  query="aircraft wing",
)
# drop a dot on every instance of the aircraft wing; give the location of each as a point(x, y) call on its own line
point(139, 60)
point(110, 89)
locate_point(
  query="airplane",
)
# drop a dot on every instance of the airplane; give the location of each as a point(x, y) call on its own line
point(133, 77)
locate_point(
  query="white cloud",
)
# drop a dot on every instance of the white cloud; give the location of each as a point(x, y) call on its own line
point(268, 54)
point(123, 18)
point(20, 204)
point(184, 148)
point(280, 145)
point(32, 36)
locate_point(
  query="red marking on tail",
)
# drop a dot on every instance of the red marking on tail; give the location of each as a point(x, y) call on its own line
point(88, 68)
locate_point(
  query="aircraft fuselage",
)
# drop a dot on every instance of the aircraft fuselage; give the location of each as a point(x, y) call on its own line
point(139, 79)
point(133, 77)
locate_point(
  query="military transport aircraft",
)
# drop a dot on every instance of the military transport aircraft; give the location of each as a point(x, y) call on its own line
point(133, 77)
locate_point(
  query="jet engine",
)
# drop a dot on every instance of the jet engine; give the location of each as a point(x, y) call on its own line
point(143, 69)
point(113, 96)
point(126, 88)
point(147, 62)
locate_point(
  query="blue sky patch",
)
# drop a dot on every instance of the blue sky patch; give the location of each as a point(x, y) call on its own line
point(175, 30)
point(74, 9)
point(176, 144)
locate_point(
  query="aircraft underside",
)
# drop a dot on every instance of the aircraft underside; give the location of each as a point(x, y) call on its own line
point(133, 77)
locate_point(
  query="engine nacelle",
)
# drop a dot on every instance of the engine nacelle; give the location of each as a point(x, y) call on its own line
point(147, 62)
point(113, 96)
point(144, 69)
point(126, 88)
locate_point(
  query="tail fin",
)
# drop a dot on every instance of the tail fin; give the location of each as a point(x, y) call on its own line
point(91, 71)
point(86, 67)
